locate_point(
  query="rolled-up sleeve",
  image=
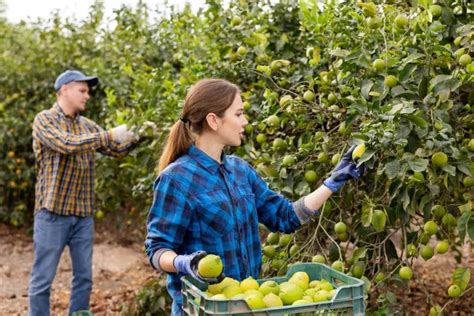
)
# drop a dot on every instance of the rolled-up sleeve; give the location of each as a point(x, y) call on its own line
point(168, 219)
point(111, 148)
point(48, 130)
point(275, 211)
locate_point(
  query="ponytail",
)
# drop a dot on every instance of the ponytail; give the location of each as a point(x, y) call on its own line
point(178, 142)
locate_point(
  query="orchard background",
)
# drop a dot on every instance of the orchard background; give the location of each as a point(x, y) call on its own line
point(396, 75)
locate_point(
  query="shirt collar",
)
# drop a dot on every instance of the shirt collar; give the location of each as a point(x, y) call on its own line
point(58, 108)
point(206, 161)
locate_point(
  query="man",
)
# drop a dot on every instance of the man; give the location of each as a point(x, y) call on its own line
point(64, 143)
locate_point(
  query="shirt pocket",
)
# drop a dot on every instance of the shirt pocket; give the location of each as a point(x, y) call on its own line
point(247, 204)
point(214, 212)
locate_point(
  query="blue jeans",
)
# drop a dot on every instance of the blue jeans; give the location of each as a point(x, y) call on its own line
point(51, 234)
point(176, 308)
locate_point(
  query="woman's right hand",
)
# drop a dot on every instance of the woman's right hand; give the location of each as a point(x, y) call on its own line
point(188, 264)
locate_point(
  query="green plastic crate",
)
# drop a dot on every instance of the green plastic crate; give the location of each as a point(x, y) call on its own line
point(348, 299)
point(82, 313)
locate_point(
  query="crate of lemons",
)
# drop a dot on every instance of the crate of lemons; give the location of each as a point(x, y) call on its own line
point(296, 289)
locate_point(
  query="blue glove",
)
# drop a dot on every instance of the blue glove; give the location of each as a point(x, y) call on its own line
point(345, 170)
point(188, 264)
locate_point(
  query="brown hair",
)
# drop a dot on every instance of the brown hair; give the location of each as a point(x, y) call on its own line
point(206, 96)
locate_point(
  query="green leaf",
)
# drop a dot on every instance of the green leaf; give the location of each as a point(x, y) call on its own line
point(413, 57)
point(418, 165)
point(419, 121)
point(423, 87)
point(462, 225)
point(439, 79)
point(466, 167)
point(359, 253)
point(406, 72)
point(366, 215)
point(365, 88)
point(392, 168)
point(366, 156)
point(461, 277)
point(451, 170)
point(466, 207)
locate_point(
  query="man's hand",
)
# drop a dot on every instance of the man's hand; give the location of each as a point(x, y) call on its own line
point(121, 134)
point(345, 170)
point(188, 264)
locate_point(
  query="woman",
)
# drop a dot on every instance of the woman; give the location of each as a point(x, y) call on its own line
point(206, 201)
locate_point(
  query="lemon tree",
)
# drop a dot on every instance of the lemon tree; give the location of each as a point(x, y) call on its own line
point(315, 79)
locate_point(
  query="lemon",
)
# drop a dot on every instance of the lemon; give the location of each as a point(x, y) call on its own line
point(379, 220)
point(288, 161)
point(310, 176)
point(290, 293)
point(438, 211)
point(308, 96)
point(374, 22)
point(269, 287)
point(255, 302)
point(439, 159)
point(253, 292)
point(246, 105)
point(269, 251)
point(401, 21)
point(99, 215)
point(220, 297)
point(294, 250)
point(379, 277)
point(340, 227)
point(217, 288)
point(301, 302)
point(390, 81)
point(318, 259)
point(332, 98)
point(301, 275)
point(285, 239)
point(338, 265)
point(286, 99)
point(426, 252)
point(272, 300)
point(232, 290)
point(236, 20)
point(468, 182)
point(454, 291)
point(435, 10)
point(406, 273)
point(323, 158)
point(430, 228)
point(358, 270)
point(273, 121)
point(249, 284)
point(442, 246)
point(210, 266)
point(242, 51)
point(261, 138)
point(279, 144)
point(379, 64)
point(465, 60)
point(273, 238)
point(335, 159)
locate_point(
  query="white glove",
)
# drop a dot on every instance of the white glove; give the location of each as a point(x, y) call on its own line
point(121, 134)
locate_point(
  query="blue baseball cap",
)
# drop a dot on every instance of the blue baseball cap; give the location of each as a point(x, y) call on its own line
point(73, 75)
